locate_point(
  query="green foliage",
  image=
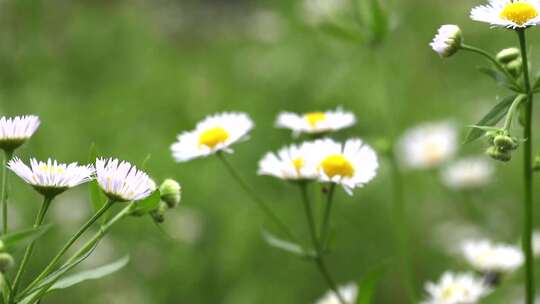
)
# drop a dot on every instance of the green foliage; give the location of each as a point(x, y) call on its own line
point(21, 238)
point(495, 115)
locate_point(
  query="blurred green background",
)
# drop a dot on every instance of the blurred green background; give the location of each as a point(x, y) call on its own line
point(130, 75)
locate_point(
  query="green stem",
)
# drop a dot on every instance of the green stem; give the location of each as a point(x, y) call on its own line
point(493, 60)
point(319, 260)
point(28, 252)
point(512, 111)
point(325, 228)
point(402, 229)
point(69, 243)
point(7, 156)
point(528, 176)
point(255, 197)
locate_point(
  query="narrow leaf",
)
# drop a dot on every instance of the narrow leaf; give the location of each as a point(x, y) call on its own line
point(146, 205)
point(500, 78)
point(284, 245)
point(378, 22)
point(368, 285)
point(491, 118)
point(23, 237)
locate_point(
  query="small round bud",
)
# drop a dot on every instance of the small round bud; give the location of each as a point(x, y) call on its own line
point(171, 192)
point(505, 142)
point(447, 41)
point(507, 55)
point(159, 213)
point(497, 154)
point(6, 262)
point(514, 67)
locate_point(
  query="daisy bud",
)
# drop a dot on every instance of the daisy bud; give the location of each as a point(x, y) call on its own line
point(502, 155)
point(171, 192)
point(447, 41)
point(514, 67)
point(505, 142)
point(508, 55)
point(6, 262)
point(159, 213)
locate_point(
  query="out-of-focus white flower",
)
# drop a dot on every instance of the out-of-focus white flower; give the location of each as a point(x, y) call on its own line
point(351, 164)
point(215, 133)
point(122, 181)
point(323, 11)
point(348, 292)
point(290, 163)
point(14, 131)
point(536, 243)
point(316, 122)
point(447, 41)
point(485, 256)
point(456, 288)
point(427, 145)
point(508, 13)
point(51, 178)
point(468, 173)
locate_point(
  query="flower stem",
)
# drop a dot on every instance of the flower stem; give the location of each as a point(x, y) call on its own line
point(255, 197)
point(528, 175)
point(512, 111)
point(319, 260)
point(325, 228)
point(30, 248)
point(70, 242)
point(7, 156)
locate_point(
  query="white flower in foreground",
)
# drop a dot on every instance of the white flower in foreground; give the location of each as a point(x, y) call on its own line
point(508, 13)
point(468, 173)
point(122, 181)
point(322, 11)
point(349, 293)
point(215, 133)
point(351, 164)
point(290, 163)
point(51, 178)
point(485, 256)
point(316, 122)
point(427, 145)
point(14, 131)
point(452, 288)
point(447, 41)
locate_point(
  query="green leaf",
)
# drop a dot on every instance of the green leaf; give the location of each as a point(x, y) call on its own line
point(284, 245)
point(378, 22)
point(368, 285)
point(491, 118)
point(146, 205)
point(341, 32)
point(23, 237)
point(500, 78)
point(91, 274)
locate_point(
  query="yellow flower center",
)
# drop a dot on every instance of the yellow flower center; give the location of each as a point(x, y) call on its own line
point(52, 169)
point(213, 137)
point(519, 12)
point(433, 153)
point(314, 118)
point(337, 165)
point(298, 163)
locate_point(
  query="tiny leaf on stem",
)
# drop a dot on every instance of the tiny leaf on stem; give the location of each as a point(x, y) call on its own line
point(491, 118)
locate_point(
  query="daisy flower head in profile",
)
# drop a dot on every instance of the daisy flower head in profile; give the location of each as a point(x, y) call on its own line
point(213, 134)
point(488, 257)
point(447, 41)
point(456, 288)
point(351, 164)
point(348, 292)
point(315, 122)
point(468, 173)
point(15, 131)
point(51, 178)
point(428, 145)
point(123, 182)
point(514, 14)
point(290, 163)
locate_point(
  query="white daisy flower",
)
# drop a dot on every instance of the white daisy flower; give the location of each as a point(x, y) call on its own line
point(215, 133)
point(447, 41)
point(316, 122)
point(51, 178)
point(508, 13)
point(290, 163)
point(487, 257)
point(14, 131)
point(349, 293)
point(427, 145)
point(456, 288)
point(122, 181)
point(468, 173)
point(351, 164)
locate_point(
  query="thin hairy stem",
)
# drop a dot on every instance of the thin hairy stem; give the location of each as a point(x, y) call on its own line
point(325, 228)
point(527, 176)
point(7, 156)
